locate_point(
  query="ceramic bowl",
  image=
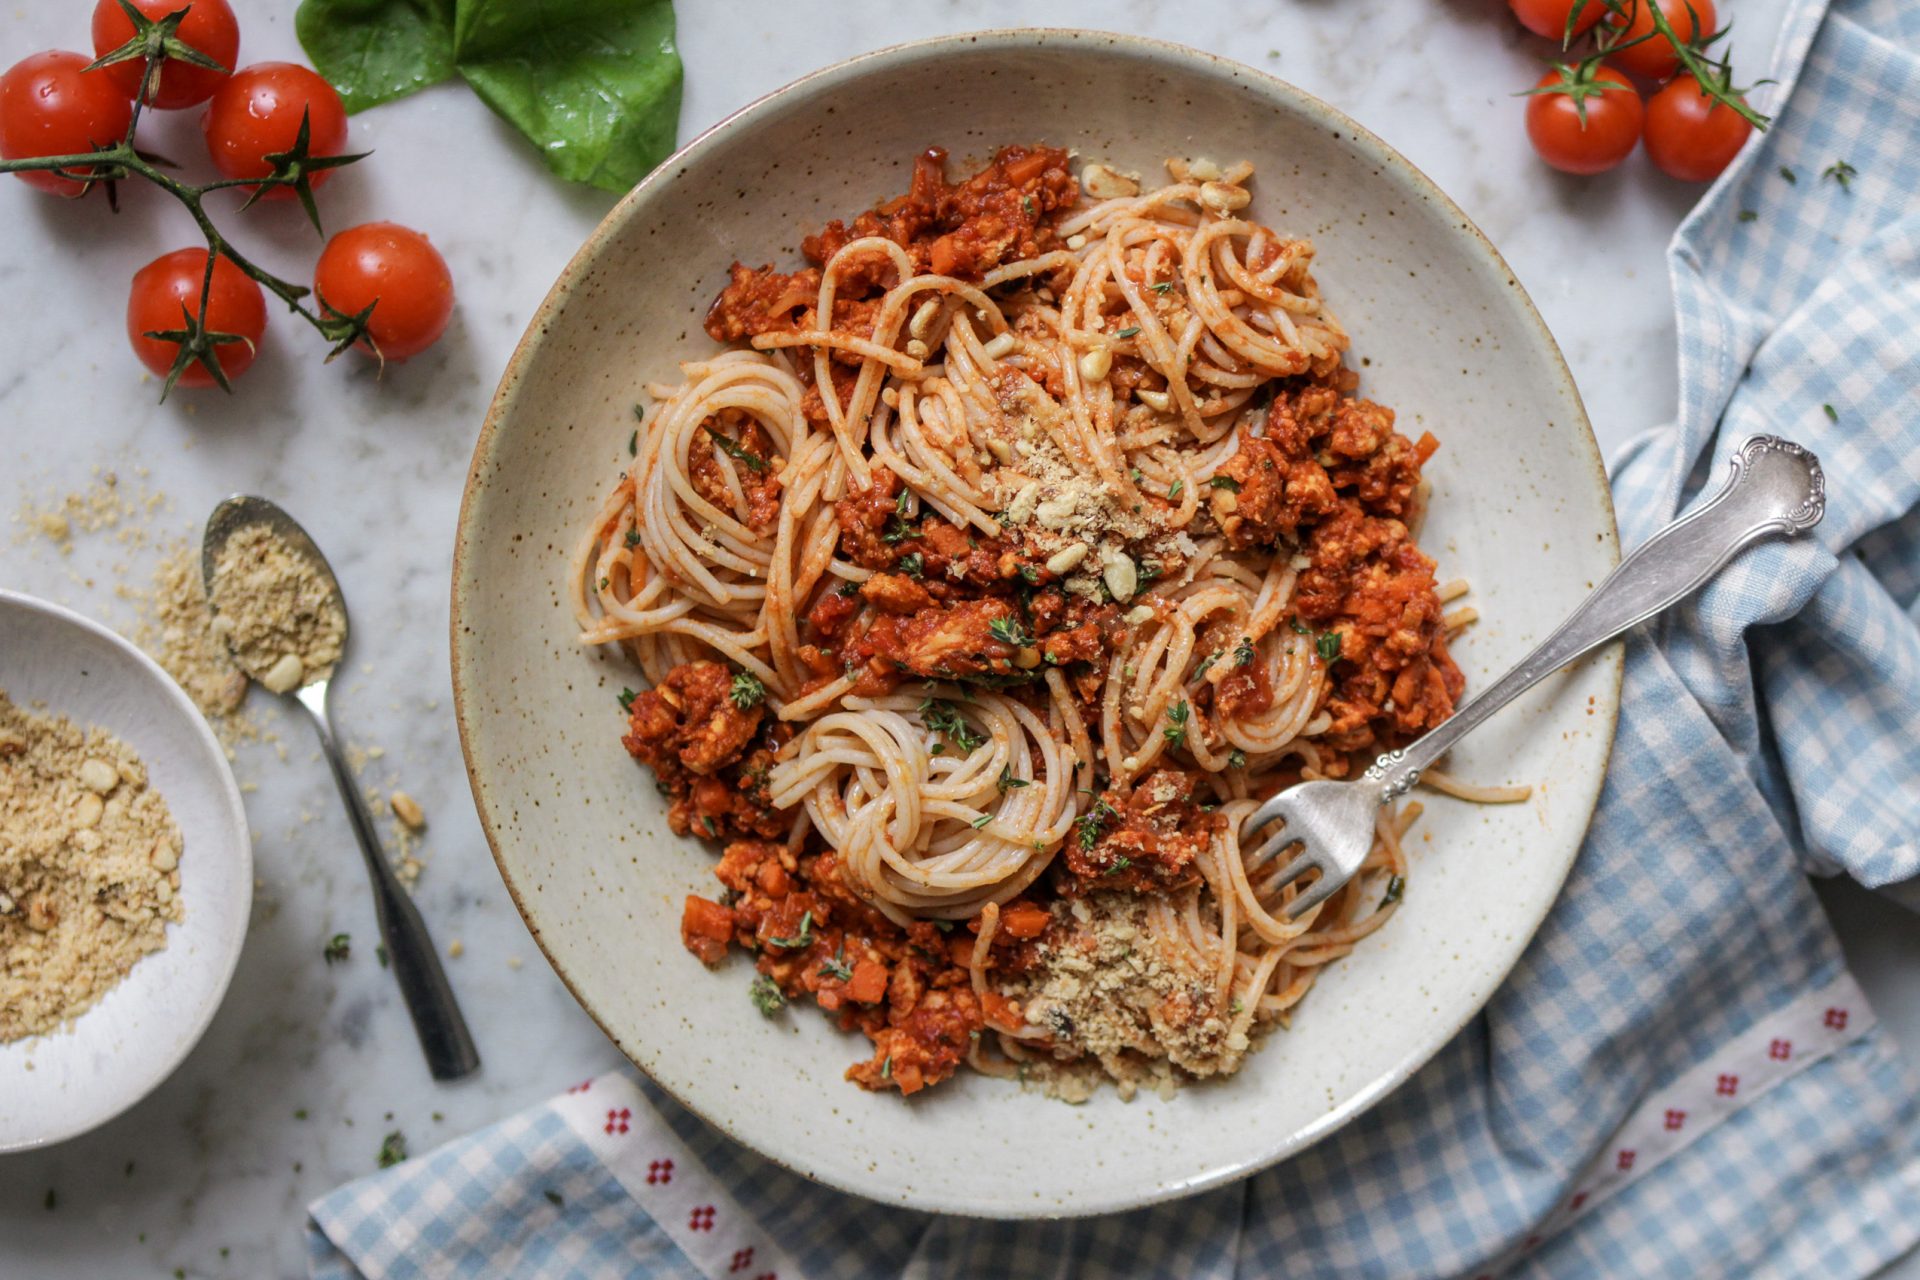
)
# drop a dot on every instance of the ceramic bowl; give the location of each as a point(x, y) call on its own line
point(1441, 331)
point(57, 1086)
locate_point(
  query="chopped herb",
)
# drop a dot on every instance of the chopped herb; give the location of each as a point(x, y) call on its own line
point(1299, 628)
point(554, 1198)
point(393, 1149)
point(300, 1113)
point(1841, 172)
point(1128, 332)
point(913, 564)
point(1243, 652)
point(338, 948)
point(799, 941)
point(980, 822)
point(745, 457)
point(1789, 174)
point(1225, 482)
point(838, 966)
point(639, 413)
point(1236, 759)
point(767, 996)
point(1026, 205)
point(1395, 887)
point(605, 583)
point(633, 443)
point(1175, 489)
point(713, 831)
point(897, 530)
point(1749, 215)
point(1008, 782)
point(1009, 631)
point(943, 717)
point(1236, 1006)
point(1136, 475)
point(1092, 821)
point(633, 537)
point(626, 699)
point(729, 896)
point(1120, 864)
point(886, 1068)
point(848, 589)
point(1165, 286)
point(1206, 664)
point(1328, 646)
point(380, 954)
point(746, 692)
point(944, 926)
point(1832, 414)
point(1176, 733)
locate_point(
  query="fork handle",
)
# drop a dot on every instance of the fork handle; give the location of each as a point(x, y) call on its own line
point(1776, 487)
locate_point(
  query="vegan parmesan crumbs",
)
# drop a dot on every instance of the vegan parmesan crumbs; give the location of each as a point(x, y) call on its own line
point(276, 609)
point(179, 634)
point(89, 868)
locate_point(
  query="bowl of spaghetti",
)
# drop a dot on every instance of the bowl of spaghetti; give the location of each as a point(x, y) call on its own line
point(929, 514)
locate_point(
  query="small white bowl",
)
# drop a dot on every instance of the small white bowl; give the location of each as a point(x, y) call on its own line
point(58, 1086)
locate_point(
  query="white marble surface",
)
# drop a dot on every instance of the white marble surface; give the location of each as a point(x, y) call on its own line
point(307, 1066)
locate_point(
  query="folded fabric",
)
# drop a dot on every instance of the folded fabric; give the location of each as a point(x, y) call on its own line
point(1679, 1078)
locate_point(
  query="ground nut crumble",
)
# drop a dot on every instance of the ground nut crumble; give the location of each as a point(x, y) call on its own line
point(276, 609)
point(89, 868)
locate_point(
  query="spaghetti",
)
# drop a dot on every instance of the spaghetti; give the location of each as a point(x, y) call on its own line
point(1008, 556)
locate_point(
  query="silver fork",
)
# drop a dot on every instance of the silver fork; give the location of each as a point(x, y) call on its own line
point(1776, 487)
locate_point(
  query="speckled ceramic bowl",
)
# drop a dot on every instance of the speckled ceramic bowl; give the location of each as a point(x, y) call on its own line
point(1441, 331)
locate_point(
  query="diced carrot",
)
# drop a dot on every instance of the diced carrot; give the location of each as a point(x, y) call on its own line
point(869, 983)
point(1000, 1011)
point(1425, 447)
point(706, 918)
point(1024, 170)
point(1023, 920)
point(773, 879)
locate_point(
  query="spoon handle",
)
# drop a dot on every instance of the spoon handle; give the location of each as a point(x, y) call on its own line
point(1775, 487)
point(416, 964)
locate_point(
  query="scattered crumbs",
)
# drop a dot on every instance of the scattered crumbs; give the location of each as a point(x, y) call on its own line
point(178, 632)
point(554, 1198)
point(456, 949)
point(513, 962)
point(438, 1117)
point(1748, 215)
point(407, 809)
point(338, 948)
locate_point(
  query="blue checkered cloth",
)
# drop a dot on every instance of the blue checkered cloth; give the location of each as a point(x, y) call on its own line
point(1768, 728)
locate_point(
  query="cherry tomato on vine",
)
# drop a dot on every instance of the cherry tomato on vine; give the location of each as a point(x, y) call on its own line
point(1603, 138)
point(209, 27)
point(1549, 17)
point(399, 274)
point(257, 113)
point(1655, 59)
point(171, 282)
point(1689, 135)
point(50, 105)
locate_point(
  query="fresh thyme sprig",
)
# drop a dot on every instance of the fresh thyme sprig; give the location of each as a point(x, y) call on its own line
point(157, 41)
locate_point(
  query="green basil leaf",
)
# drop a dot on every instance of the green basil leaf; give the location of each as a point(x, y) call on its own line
point(594, 84)
point(374, 51)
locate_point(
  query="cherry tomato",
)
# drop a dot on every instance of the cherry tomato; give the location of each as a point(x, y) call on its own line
point(209, 27)
point(1689, 135)
point(1549, 17)
point(1655, 59)
point(400, 274)
point(1611, 128)
point(50, 105)
point(169, 283)
point(257, 113)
